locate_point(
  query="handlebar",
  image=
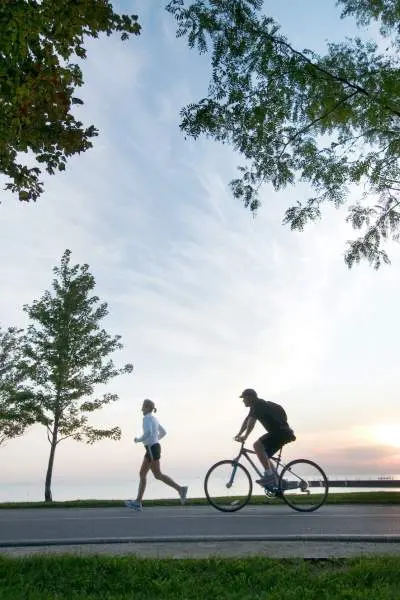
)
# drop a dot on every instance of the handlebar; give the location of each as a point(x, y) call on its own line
point(242, 446)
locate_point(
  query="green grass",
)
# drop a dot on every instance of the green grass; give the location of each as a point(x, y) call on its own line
point(343, 498)
point(123, 578)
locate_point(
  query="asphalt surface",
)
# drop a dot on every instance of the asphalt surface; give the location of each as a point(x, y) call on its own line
point(355, 523)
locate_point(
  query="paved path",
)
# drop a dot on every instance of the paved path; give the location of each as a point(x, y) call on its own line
point(356, 523)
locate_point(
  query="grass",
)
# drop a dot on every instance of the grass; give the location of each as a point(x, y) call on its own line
point(340, 498)
point(123, 578)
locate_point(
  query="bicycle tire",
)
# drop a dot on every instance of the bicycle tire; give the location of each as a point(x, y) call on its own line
point(221, 503)
point(296, 500)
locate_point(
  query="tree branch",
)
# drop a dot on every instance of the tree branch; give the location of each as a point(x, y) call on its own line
point(65, 437)
point(323, 116)
point(354, 86)
point(392, 207)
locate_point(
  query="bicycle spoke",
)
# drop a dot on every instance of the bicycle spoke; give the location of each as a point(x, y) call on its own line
point(303, 485)
point(228, 486)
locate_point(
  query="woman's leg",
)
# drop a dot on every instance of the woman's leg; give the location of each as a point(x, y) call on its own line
point(155, 467)
point(144, 469)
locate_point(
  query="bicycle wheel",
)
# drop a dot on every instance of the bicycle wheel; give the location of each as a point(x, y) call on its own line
point(303, 485)
point(228, 486)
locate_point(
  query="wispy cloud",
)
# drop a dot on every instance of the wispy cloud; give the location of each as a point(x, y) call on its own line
point(208, 298)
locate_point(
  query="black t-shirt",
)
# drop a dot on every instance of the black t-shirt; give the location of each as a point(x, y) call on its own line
point(270, 414)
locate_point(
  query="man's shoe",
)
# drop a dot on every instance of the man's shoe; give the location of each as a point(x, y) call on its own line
point(268, 481)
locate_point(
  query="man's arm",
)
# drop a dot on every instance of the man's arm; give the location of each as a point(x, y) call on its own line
point(247, 427)
point(251, 421)
point(243, 427)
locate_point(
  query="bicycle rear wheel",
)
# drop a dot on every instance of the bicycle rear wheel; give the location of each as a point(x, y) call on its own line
point(303, 485)
point(228, 486)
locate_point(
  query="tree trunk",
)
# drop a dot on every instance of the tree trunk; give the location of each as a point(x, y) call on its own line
point(47, 486)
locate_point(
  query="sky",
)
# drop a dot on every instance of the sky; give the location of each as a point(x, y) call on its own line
point(208, 298)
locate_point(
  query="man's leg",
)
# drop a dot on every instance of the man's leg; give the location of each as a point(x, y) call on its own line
point(262, 455)
point(265, 447)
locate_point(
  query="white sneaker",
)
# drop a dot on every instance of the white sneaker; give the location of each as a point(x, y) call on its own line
point(183, 494)
point(133, 504)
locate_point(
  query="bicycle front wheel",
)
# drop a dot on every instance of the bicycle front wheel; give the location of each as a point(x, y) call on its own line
point(303, 485)
point(228, 486)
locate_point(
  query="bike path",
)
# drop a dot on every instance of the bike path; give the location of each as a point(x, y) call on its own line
point(194, 524)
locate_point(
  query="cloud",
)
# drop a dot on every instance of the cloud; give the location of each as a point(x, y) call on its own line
point(208, 298)
point(366, 459)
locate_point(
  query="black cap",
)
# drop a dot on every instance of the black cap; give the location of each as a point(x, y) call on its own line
point(248, 393)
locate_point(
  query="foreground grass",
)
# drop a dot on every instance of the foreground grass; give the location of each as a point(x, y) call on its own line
point(123, 578)
point(348, 498)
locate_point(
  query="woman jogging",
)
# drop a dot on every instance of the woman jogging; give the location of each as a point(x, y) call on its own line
point(152, 433)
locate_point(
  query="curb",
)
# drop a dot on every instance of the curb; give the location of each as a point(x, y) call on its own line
point(389, 538)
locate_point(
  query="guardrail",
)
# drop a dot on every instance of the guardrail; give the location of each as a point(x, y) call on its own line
point(364, 483)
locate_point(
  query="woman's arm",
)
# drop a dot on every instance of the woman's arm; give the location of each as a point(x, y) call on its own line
point(161, 431)
point(146, 431)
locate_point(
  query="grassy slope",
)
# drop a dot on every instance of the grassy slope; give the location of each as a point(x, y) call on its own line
point(123, 578)
point(347, 498)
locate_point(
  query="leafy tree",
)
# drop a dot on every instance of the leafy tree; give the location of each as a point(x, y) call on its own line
point(18, 407)
point(332, 121)
point(386, 12)
point(67, 354)
point(39, 39)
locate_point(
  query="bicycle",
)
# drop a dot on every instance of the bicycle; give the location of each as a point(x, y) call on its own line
point(302, 484)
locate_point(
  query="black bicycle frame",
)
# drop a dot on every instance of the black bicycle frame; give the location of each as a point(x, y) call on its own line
point(246, 453)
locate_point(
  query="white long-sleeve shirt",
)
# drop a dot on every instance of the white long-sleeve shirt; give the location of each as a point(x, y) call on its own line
point(152, 430)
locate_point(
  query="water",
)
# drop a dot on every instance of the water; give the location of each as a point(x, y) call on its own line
point(118, 489)
point(100, 490)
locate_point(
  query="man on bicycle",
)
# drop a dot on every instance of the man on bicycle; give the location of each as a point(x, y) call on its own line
point(273, 417)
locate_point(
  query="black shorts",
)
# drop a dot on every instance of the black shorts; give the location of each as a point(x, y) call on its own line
point(153, 452)
point(273, 442)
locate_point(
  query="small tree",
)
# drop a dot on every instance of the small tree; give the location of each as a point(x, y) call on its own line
point(67, 354)
point(18, 406)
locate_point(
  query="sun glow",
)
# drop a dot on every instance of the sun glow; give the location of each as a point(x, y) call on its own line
point(388, 434)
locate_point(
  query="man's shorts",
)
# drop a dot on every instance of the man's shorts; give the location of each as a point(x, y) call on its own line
point(272, 442)
point(153, 452)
